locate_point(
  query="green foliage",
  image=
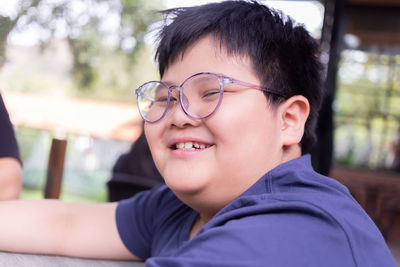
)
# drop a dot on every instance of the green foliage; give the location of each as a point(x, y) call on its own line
point(28, 193)
point(85, 50)
point(8, 23)
point(26, 138)
point(367, 109)
point(96, 31)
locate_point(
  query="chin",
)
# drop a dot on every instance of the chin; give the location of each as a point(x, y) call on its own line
point(183, 185)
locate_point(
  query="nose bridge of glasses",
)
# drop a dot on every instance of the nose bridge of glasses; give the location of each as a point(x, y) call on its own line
point(173, 88)
point(184, 101)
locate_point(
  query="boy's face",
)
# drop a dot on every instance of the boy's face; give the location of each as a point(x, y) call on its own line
point(242, 139)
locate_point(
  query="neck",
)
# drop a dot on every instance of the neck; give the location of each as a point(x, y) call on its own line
point(197, 225)
point(290, 152)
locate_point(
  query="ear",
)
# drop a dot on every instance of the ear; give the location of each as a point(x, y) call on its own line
point(294, 113)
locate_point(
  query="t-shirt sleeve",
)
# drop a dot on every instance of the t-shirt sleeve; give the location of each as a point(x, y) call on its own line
point(8, 143)
point(135, 220)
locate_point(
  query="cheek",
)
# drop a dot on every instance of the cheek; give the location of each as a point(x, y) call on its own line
point(247, 132)
point(251, 119)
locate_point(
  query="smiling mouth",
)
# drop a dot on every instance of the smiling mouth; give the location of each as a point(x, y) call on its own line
point(190, 146)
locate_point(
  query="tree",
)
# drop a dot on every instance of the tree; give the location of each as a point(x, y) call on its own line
point(8, 23)
point(92, 27)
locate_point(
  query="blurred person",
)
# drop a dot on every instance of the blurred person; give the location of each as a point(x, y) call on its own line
point(133, 172)
point(229, 127)
point(10, 162)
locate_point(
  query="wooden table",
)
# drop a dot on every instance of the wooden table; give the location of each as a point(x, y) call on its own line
point(25, 260)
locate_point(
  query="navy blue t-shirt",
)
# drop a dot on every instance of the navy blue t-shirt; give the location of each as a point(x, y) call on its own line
point(8, 143)
point(292, 216)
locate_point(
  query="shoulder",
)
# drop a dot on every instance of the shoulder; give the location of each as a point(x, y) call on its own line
point(297, 218)
point(287, 238)
point(316, 226)
point(291, 233)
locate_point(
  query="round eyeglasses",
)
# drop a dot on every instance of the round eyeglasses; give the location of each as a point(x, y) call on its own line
point(200, 95)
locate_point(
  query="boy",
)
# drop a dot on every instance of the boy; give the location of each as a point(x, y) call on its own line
point(227, 127)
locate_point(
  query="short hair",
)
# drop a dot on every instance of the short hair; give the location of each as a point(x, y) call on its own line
point(283, 54)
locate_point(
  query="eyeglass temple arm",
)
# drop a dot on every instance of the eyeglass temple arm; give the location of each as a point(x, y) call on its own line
point(249, 85)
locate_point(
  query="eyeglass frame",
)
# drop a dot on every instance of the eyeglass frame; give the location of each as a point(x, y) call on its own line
point(222, 79)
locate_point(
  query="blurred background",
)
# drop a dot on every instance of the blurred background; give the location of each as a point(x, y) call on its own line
point(68, 70)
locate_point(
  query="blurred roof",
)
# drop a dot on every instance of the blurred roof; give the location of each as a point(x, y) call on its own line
point(374, 23)
point(74, 116)
point(376, 2)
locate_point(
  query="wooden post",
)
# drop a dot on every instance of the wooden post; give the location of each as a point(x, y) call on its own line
point(55, 168)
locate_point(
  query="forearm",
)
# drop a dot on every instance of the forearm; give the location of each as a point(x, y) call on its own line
point(60, 228)
point(10, 178)
point(32, 226)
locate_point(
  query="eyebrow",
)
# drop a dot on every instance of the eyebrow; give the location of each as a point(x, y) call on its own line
point(168, 82)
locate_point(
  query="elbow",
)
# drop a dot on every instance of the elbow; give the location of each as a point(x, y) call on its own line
point(10, 179)
point(11, 192)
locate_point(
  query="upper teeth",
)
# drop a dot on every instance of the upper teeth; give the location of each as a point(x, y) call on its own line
point(189, 145)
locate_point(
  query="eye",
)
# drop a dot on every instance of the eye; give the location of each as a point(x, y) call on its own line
point(161, 96)
point(210, 94)
point(161, 99)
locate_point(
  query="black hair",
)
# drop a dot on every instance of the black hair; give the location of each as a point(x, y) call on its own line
point(283, 54)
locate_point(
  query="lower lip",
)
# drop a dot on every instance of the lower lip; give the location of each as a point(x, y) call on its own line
point(186, 153)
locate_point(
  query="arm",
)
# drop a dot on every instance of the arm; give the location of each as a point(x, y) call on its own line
point(10, 164)
point(60, 228)
point(10, 178)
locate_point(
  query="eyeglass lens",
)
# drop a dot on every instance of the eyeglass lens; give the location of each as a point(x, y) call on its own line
point(200, 97)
